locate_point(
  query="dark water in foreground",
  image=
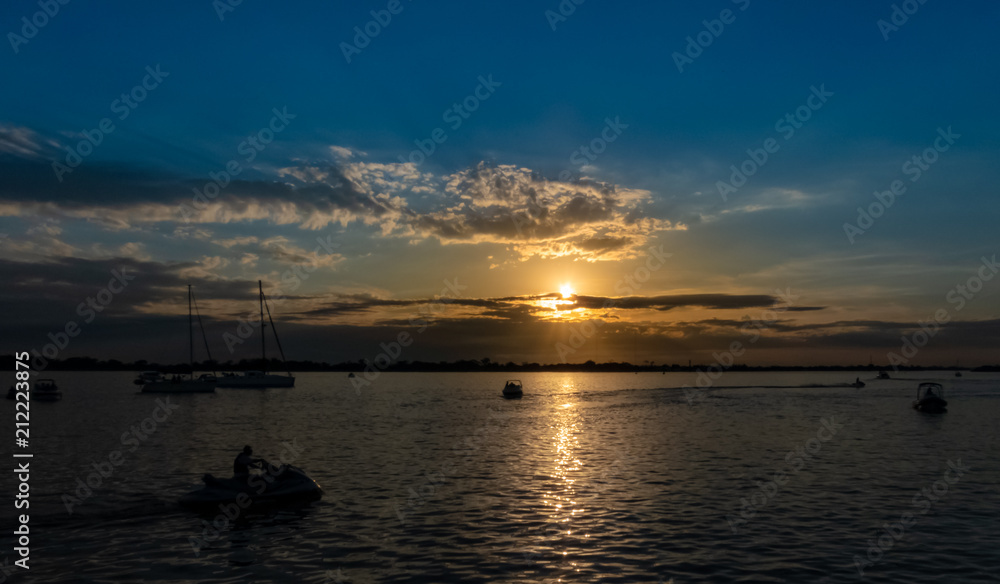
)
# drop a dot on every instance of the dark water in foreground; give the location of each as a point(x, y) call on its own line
point(589, 478)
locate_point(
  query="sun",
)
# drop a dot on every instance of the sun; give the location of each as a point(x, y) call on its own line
point(567, 290)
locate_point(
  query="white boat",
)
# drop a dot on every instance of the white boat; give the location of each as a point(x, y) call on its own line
point(512, 389)
point(260, 379)
point(177, 384)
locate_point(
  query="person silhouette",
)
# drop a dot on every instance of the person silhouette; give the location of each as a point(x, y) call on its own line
point(244, 462)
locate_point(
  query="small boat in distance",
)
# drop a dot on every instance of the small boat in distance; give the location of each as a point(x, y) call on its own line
point(858, 384)
point(177, 384)
point(512, 389)
point(45, 390)
point(958, 374)
point(883, 375)
point(260, 379)
point(930, 399)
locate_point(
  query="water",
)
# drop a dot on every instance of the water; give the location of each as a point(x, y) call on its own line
point(588, 478)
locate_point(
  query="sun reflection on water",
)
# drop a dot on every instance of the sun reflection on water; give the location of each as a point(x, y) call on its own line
point(562, 500)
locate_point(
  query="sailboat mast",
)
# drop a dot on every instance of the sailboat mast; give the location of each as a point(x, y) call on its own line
point(190, 334)
point(263, 352)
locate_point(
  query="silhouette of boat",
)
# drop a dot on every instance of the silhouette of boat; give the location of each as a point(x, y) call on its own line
point(177, 384)
point(883, 375)
point(512, 389)
point(44, 390)
point(260, 379)
point(279, 485)
point(930, 399)
point(858, 384)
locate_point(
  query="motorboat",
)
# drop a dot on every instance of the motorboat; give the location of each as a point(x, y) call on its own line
point(276, 485)
point(255, 380)
point(930, 399)
point(858, 384)
point(260, 379)
point(958, 374)
point(176, 384)
point(883, 375)
point(512, 389)
point(45, 390)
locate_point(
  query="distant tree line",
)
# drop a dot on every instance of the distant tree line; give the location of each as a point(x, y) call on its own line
point(464, 365)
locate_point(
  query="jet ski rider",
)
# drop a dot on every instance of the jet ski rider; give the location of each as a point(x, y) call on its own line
point(244, 462)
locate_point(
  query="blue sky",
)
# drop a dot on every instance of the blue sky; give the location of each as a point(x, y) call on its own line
point(471, 210)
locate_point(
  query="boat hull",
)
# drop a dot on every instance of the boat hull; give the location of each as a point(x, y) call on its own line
point(931, 406)
point(289, 486)
point(185, 386)
point(264, 381)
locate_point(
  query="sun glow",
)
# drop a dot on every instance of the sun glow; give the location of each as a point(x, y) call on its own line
point(567, 290)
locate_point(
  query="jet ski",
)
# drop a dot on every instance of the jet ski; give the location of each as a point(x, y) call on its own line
point(276, 485)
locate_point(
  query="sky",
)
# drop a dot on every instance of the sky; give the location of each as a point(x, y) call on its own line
point(726, 181)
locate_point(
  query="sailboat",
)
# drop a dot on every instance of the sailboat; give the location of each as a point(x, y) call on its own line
point(176, 383)
point(260, 379)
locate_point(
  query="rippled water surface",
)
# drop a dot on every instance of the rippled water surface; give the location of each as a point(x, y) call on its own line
point(767, 477)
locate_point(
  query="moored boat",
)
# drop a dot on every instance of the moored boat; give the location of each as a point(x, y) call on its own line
point(260, 379)
point(176, 384)
point(45, 390)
